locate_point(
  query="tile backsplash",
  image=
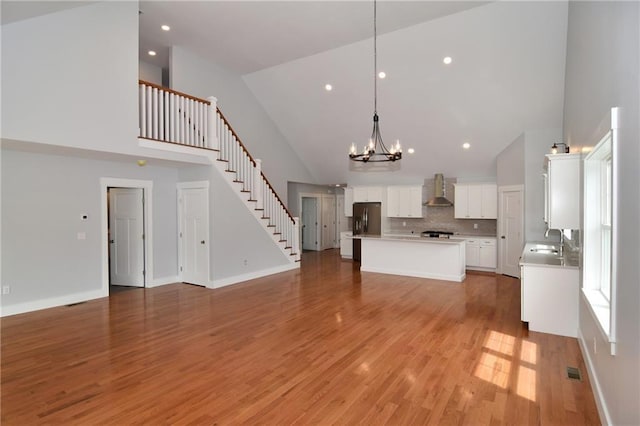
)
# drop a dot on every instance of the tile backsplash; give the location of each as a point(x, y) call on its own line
point(440, 218)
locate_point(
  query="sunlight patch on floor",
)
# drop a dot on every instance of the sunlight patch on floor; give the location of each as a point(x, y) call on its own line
point(526, 387)
point(493, 369)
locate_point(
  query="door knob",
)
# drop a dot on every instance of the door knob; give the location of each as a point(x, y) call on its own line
point(502, 237)
point(112, 241)
point(202, 242)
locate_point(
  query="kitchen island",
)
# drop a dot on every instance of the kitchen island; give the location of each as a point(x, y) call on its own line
point(436, 258)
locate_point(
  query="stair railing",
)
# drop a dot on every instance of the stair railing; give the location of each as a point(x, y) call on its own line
point(170, 116)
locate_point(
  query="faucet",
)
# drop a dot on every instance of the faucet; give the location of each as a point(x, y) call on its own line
point(561, 248)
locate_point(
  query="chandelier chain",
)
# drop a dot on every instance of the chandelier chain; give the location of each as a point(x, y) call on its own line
point(375, 58)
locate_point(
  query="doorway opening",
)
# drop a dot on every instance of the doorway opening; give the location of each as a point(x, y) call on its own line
point(127, 261)
point(510, 229)
point(310, 223)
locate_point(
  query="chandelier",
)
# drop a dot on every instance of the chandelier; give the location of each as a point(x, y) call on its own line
point(375, 151)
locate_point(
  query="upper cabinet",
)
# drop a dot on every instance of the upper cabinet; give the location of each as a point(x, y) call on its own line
point(363, 194)
point(476, 201)
point(562, 191)
point(404, 201)
point(348, 202)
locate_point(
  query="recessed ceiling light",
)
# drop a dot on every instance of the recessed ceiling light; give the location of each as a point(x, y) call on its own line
point(447, 60)
point(338, 185)
point(152, 53)
point(466, 145)
point(382, 74)
point(411, 150)
point(328, 87)
point(165, 28)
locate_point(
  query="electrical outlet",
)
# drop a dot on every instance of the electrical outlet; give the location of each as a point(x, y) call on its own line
point(404, 223)
point(6, 289)
point(475, 226)
point(245, 262)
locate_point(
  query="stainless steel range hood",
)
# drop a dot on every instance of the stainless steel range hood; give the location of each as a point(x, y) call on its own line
point(439, 199)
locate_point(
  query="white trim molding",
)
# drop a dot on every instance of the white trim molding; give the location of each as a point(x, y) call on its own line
point(53, 302)
point(223, 282)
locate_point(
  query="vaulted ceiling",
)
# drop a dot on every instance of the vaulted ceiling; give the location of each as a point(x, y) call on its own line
point(506, 75)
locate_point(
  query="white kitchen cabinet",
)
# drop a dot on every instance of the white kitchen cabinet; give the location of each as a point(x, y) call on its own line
point(348, 202)
point(404, 201)
point(562, 191)
point(472, 252)
point(476, 201)
point(346, 244)
point(487, 255)
point(363, 194)
point(481, 253)
point(549, 299)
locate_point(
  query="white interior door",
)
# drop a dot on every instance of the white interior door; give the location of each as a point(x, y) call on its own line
point(510, 230)
point(328, 221)
point(126, 237)
point(309, 223)
point(194, 235)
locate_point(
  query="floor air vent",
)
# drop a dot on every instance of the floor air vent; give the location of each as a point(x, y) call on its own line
point(574, 373)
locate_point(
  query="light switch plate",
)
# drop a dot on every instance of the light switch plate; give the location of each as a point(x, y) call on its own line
point(82, 236)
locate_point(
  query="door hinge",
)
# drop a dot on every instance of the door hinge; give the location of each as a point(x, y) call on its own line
point(181, 269)
point(144, 273)
point(143, 236)
point(181, 235)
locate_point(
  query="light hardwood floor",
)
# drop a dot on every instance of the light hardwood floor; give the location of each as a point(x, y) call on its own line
point(321, 345)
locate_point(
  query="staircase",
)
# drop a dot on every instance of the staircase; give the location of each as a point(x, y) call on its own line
point(176, 118)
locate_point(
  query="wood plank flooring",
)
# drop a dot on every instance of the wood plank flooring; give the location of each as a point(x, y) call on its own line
point(322, 345)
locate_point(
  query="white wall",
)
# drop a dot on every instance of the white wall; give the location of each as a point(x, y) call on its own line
point(603, 55)
point(236, 234)
point(295, 189)
point(537, 143)
point(149, 72)
point(43, 198)
point(196, 76)
point(510, 164)
point(69, 78)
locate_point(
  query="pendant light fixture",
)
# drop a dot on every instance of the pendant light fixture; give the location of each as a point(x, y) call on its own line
point(375, 151)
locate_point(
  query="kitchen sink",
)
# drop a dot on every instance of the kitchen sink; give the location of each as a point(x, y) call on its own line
point(542, 250)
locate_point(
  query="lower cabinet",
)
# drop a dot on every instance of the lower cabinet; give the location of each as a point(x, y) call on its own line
point(549, 299)
point(481, 253)
point(346, 244)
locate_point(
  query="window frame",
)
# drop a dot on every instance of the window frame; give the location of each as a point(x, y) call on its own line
point(600, 231)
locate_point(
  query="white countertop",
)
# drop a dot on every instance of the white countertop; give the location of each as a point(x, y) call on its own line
point(411, 238)
point(568, 260)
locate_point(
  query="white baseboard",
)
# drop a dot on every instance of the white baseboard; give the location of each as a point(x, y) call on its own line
point(157, 282)
point(223, 282)
point(605, 418)
point(52, 302)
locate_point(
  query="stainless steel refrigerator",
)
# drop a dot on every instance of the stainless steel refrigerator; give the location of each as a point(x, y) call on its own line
point(367, 221)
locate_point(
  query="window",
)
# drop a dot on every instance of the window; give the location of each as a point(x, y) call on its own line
point(598, 284)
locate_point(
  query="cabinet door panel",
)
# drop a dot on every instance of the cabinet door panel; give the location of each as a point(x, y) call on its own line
point(393, 202)
point(348, 202)
point(460, 202)
point(415, 201)
point(472, 252)
point(474, 202)
point(489, 202)
point(487, 257)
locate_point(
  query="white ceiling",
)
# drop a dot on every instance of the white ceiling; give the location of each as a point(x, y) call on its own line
point(507, 74)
